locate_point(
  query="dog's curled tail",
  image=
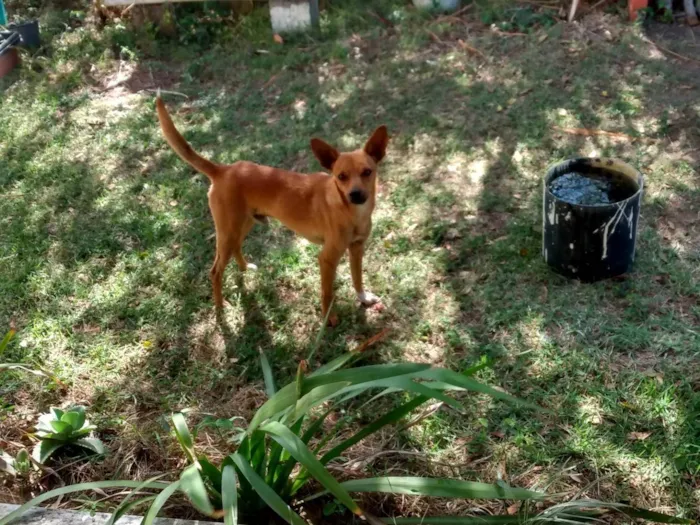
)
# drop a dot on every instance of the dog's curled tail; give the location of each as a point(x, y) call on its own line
point(180, 145)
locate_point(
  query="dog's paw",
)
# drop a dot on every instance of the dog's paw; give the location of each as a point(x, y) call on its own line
point(368, 298)
point(252, 267)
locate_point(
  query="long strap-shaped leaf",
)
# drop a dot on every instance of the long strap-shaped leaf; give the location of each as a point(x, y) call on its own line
point(229, 495)
point(184, 437)
point(125, 505)
point(437, 488)
point(267, 375)
point(303, 455)
point(78, 488)
point(266, 493)
point(314, 398)
point(158, 503)
point(192, 485)
point(453, 378)
point(387, 419)
point(287, 396)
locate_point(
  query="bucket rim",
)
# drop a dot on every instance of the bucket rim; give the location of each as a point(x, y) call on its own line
point(606, 163)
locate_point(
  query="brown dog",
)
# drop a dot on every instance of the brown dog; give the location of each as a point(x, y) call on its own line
point(335, 211)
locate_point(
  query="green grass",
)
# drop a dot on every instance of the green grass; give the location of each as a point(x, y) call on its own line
point(105, 238)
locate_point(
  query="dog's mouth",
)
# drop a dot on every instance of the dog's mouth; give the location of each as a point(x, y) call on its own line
point(357, 197)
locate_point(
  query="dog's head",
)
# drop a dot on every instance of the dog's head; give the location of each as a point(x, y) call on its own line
point(354, 172)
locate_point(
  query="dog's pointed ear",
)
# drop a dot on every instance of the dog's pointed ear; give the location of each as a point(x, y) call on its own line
point(376, 145)
point(325, 153)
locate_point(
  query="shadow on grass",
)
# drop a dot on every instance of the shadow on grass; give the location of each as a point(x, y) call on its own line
point(481, 287)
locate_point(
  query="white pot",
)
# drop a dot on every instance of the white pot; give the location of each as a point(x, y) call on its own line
point(441, 5)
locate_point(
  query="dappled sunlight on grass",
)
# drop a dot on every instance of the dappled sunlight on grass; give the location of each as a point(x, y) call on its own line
point(109, 242)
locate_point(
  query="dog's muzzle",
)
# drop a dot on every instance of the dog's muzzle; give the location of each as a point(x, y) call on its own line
point(357, 197)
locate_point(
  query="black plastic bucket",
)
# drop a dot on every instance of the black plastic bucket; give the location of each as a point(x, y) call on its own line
point(28, 32)
point(592, 242)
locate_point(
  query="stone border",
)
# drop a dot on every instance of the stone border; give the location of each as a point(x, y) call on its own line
point(42, 516)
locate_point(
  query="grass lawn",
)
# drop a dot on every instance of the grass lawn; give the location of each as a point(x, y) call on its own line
point(106, 239)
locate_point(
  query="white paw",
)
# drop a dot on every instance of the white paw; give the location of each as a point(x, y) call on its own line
point(368, 298)
point(252, 267)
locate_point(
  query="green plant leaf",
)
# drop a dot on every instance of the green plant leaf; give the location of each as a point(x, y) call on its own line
point(126, 505)
point(287, 396)
point(192, 485)
point(436, 488)
point(314, 398)
point(453, 378)
point(229, 495)
point(61, 428)
point(303, 455)
point(335, 364)
point(158, 503)
point(211, 474)
point(92, 444)
point(57, 413)
point(387, 419)
point(182, 433)
point(75, 418)
point(268, 376)
point(6, 340)
point(266, 493)
point(96, 485)
point(45, 449)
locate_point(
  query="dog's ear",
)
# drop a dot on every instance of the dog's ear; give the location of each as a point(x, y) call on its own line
point(325, 153)
point(376, 145)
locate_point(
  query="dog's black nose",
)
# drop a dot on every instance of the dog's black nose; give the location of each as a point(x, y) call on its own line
point(357, 197)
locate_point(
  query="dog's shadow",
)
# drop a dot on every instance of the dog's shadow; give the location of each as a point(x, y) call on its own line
point(254, 336)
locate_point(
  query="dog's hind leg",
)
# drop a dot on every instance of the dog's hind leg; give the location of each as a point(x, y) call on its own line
point(231, 229)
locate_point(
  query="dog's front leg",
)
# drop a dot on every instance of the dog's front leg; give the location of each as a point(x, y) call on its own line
point(357, 252)
point(328, 260)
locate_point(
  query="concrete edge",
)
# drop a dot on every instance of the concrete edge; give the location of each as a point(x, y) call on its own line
point(43, 516)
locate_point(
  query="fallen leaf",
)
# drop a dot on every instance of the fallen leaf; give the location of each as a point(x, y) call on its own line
point(542, 38)
point(278, 39)
point(512, 101)
point(146, 344)
point(514, 508)
point(173, 203)
point(524, 252)
point(638, 436)
point(498, 434)
point(576, 477)
point(604, 93)
point(499, 108)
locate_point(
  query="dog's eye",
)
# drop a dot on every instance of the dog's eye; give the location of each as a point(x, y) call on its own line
point(367, 172)
point(342, 177)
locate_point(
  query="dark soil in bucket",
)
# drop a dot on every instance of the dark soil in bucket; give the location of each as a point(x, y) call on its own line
point(592, 188)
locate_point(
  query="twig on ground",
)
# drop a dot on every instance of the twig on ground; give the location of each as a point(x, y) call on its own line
point(270, 81)
point(672, 53)
point(572, 11)
point(470, 48)
point(158, 90)
point(372, 340)
point(434, 37)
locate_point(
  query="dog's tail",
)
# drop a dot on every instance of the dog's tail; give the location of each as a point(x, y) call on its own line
point(180, 145)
